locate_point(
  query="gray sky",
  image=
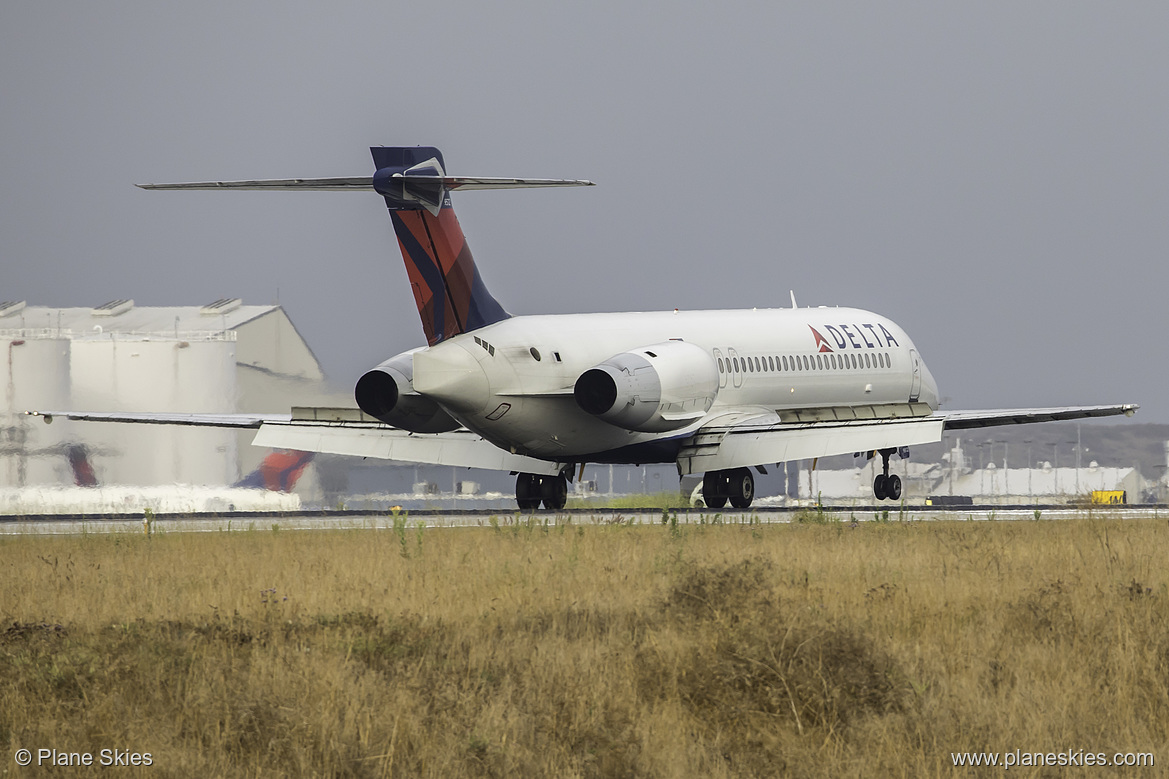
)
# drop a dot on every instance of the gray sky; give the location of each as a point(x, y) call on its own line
point(992, 176)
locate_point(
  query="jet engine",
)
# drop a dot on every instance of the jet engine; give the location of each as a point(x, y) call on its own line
point(652, 389)
point(387, 393)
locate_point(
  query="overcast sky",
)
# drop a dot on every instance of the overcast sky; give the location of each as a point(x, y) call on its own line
point(992, 176)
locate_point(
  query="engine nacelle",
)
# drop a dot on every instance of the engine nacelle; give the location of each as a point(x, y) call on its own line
point(655, 388)
point(387, 393)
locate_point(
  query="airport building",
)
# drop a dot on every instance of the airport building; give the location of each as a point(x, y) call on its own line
point(954, 477)
point(221, 357)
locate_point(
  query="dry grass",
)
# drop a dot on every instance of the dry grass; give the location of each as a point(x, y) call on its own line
point(726, 650)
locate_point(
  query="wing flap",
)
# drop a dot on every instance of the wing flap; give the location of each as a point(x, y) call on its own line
point(747, 445)
point(460, 448)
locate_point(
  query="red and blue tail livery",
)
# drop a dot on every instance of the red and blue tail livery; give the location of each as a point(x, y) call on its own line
point(448, 289)
point(278, 472)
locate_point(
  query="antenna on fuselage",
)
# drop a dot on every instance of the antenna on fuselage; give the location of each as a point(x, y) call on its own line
point(793, 294)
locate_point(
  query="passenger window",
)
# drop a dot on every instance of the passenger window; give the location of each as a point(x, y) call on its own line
point(785, 364)
point(770, 362)
point(758, 367)
point(807, 364)
point(720, 365)
point(736, 359)
point(868, 362)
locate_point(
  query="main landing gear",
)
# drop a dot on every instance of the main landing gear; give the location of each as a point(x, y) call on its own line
point(736, 485)
point(531, 490)
point(886, 485)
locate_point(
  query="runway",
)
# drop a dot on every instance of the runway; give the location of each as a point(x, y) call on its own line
point(381, 520)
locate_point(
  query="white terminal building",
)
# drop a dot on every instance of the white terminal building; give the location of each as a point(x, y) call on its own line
point(988, 484)
point(221, 357)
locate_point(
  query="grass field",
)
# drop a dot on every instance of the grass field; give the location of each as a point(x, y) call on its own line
point(813, 649)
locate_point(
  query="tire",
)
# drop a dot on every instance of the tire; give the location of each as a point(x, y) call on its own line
point(742, 488)
point(554, 492)
point(527, 491)
point(714, 489)
point(879, 486)
point(893, 488)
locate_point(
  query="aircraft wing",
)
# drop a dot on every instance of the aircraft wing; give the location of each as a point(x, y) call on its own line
point(157, 418)
point(964, 420)
point(340, 431)
point(745, 440)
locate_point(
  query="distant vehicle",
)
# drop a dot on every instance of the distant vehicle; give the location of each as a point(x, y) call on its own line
point(715, 392)
point(1109, 497)
point(949, 500)
point(697, 499)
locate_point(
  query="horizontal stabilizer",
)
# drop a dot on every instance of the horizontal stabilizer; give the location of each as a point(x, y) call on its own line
point(361, 183)
point(342, 184)
point(408, 177)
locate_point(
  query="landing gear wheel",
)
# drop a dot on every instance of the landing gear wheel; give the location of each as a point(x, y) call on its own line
point(554, 492)
point(527, 491)
point(714, 489)
point(741, 487)
point(880, 486)
point(893, 487)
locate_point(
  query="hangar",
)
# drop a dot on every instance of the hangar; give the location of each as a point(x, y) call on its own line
point(221, 357)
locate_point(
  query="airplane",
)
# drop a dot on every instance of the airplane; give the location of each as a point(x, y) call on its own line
point(715, 392)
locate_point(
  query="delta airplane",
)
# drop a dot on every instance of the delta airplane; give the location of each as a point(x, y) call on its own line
point(715, 392)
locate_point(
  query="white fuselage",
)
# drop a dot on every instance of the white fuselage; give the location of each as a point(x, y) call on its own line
point(512, 382)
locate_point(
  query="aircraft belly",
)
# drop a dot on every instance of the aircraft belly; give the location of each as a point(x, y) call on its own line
point(551, 427)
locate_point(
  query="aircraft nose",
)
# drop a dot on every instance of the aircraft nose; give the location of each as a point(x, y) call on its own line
point(451, 375)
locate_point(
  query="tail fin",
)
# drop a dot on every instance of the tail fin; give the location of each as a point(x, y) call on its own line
point(448, 289)
point(83, 475)
point(278, 471)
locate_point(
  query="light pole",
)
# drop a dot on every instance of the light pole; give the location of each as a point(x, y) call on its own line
point(1006, 467)
point(1030, 467)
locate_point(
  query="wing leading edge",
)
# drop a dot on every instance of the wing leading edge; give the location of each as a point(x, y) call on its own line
point(965, 420)
point(244, 421)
